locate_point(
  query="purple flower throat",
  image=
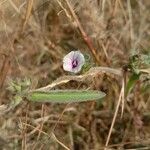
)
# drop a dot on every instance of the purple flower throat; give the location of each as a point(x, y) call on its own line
point(74, 63)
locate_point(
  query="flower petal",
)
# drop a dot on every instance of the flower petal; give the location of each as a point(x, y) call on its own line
point(68, 61)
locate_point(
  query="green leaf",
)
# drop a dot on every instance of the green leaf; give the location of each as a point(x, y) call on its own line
point(131, 82)
point(138, 62)
point(146, 59)
point(16, 100)
point(65, 96)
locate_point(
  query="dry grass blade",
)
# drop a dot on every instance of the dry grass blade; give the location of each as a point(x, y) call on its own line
point(131, 23)
point(36, 35)
point(24, 133)
point(145, 70)
point(14, 6)
point(59, 118)
point(54, 137)
point(122, 93)
point(116, 112)
point(50, 136)
point(66, 12)
point(28, 13)
point(83, 33)
point(91, 73)
point(40, 126)
point(4, 70)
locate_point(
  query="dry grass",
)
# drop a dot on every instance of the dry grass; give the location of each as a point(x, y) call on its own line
point(35, 36)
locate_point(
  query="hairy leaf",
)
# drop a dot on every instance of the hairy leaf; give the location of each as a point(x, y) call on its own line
point(65, 96)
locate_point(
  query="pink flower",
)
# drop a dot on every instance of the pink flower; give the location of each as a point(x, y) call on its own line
point(73, 61)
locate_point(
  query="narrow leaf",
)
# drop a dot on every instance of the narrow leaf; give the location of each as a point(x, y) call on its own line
point(132, 81)
point(65, 96)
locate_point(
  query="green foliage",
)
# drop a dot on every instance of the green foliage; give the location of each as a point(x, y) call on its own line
point(87, 64)
point(65, 96)
point(146, 60)
point(138, 62)
point(132, 81)
point(18, 88)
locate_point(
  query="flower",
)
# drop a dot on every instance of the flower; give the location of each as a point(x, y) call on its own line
point(73, 61)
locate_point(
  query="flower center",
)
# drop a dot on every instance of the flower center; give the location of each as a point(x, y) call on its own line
point(74, 63)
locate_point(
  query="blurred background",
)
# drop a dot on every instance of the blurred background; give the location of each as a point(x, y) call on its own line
point(35, 35)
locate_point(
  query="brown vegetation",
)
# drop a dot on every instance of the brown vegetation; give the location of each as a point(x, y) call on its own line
point(35, 35)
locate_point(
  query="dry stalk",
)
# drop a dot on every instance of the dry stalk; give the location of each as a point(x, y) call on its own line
point(28, 13)
point(92, 72)
point(121, 98)
point(41, 126)
point(87, 40)
point(131, 23)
